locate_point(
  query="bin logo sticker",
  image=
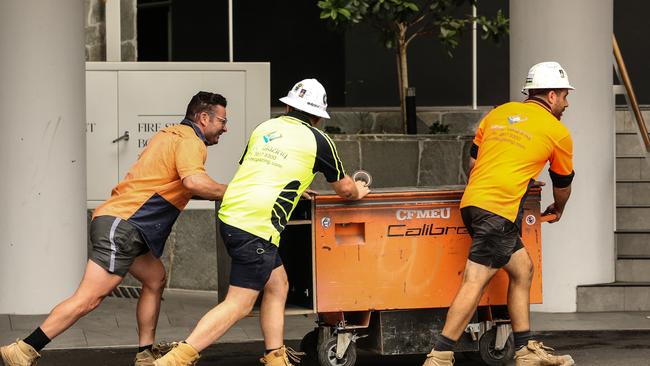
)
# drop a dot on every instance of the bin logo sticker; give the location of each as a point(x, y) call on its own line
point(530, 220)
point(435, 213)
point(326, 222)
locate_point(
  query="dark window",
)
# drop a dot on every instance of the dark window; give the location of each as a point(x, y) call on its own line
point(183, 30)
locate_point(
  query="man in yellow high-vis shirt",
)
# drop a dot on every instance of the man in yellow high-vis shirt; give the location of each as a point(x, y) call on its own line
point(280, 161)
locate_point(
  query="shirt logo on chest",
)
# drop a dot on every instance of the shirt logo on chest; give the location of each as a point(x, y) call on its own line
point(516, 119)
point(271, 136)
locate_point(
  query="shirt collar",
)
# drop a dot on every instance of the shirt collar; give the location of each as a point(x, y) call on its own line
point(302, 116)
point(197, 130)
point(539, 101)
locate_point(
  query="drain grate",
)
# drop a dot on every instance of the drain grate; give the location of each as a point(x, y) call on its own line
point(126, 292)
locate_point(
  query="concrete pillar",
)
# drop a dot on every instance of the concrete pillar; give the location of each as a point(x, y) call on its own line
point(42, 153)
point(580, 248)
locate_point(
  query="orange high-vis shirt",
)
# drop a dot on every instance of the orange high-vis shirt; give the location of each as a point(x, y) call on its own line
point(152, 195)
point(515, 141)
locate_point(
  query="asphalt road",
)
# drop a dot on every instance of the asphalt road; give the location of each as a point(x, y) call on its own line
point(592, 348)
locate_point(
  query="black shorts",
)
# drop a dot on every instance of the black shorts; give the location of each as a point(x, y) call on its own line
point(116, 244)
point(494, 238)
point(253, 258)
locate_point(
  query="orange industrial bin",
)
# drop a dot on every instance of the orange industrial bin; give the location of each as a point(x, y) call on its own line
point(382, 272)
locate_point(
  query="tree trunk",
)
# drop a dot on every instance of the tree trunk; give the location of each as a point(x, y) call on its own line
point(403, 75)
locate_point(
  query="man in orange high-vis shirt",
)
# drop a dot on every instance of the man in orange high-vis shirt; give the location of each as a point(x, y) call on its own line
point(513, 143)
point(128, 232)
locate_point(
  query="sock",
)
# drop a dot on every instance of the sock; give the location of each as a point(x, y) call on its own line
point(442, 343)
point(522, 338)
point(143, 348)
point(37, 339)
point(270, 350)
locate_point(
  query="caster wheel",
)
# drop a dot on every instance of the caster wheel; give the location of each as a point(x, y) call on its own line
point(309, 344)
point(327, 354)
point(494, 357)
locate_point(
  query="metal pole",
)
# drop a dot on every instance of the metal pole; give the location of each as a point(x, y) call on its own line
point(230, 31)
point(411, 114)
point(474, 60)
point(113, 31)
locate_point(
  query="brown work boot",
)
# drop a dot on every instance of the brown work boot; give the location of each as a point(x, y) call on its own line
point(281, 357)
point(182, 354)
point(145, 358)
point(19, 353)
point(536, 354)
point(439, 358)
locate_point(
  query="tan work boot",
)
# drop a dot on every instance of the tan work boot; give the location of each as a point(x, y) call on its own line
point(145, 358)
point(536, 354)
point(439, 358)
point(182, 354)
point(19, 353)
point(281, 356)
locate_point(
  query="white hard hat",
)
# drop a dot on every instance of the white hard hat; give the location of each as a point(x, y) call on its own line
point(308, 96)
point(547, 75)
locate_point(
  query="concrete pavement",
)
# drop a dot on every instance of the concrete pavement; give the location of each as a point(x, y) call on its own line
point(113, 324)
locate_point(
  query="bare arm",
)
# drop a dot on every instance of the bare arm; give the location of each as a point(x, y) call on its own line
point(561, 196)
point(472, 162)
point(349, 189)
point(202, 185)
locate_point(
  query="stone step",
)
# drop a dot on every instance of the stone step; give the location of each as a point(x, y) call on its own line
point(633, 192)
point(632, 243)
point(632, 217)
point(625, 121)
point(628, 143)
point(632, 167)
point(617, 296)
point(633, 269)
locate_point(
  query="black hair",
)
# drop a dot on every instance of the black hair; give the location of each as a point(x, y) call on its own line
point(542, 92)
point(203, 102)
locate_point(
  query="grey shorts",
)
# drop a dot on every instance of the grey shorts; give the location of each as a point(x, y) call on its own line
point(116, 244)
point(494, 238)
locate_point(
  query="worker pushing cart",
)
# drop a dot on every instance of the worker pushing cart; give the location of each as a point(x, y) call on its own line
point(280, 161)
point(512, 145)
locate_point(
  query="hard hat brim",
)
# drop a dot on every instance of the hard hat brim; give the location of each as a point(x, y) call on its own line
point(568, 87)
point(303, 106)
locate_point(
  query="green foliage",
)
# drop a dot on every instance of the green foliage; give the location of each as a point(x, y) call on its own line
point(399, 22)
point(438, 128)
point(407, 19)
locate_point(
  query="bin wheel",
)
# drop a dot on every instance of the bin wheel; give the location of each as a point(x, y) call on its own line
point(492, 356)
point(309, 344)
point(327, 354)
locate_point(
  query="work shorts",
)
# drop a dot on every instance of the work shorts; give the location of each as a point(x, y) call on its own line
point(116, 244)
point(494, 238)
point(253, 258)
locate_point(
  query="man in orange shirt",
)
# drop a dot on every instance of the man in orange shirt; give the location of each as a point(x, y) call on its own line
point(513, 143)
point(128, 232)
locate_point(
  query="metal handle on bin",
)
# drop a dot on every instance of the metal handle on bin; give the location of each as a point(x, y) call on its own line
point(547, 218)
point(363, 176)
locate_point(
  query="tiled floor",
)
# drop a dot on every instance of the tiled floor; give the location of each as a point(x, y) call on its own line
point(113, 323)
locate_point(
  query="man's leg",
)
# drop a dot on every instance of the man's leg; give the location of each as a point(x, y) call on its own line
point(475, 278)
point(96, 284)
point(520, 271)
point(272, 309)
point(238, 303)
point(150, 271)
